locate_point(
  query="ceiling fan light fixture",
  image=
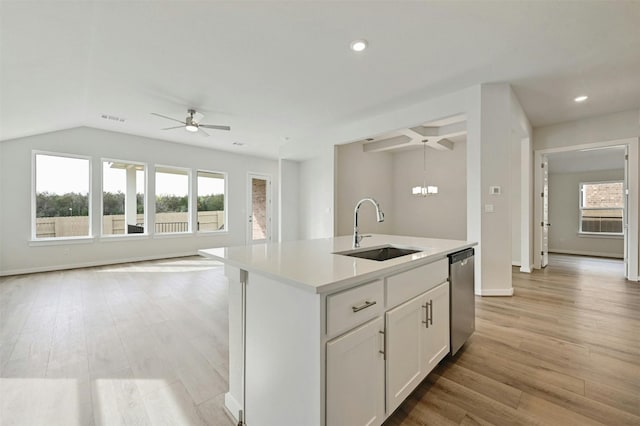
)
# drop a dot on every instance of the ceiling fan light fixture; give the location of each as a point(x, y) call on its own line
point(191, 128)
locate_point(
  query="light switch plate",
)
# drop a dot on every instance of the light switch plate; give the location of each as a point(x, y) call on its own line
point(488, 208)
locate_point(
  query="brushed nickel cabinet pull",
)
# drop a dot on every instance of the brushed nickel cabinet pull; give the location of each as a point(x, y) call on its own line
point(384, 346)
point(426, 315)
point(430, 312)
point(365, 305)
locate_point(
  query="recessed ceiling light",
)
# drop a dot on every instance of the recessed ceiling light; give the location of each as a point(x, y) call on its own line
point(359, 45)
point(581, 98)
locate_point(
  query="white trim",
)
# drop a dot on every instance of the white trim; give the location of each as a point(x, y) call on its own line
point(610, 235)
point(249, 230)
point(633, 203)
point(93, 263)
point(515, 263)
point(144, 201)
point(231, 405)
point(225, 206)
point(61, 241)
point(190, 196)
point(495, 292)
point(526, 270)
point(123, 237)
point(587, 253)
point(173, 234)
point(89, 159)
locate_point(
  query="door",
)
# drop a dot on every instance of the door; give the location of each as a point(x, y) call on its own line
point(625, 216)
point(544, 246)
point(405, 365)
point(435, 344)
point(259, 209)
point(355, 376)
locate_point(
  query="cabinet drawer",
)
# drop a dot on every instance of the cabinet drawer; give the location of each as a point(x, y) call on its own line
point(405, 285)
point(350, 308)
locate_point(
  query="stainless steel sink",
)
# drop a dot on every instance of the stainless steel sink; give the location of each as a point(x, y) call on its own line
point(380, 253)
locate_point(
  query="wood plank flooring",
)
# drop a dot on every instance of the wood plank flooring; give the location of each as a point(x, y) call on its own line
point(134, 344)
point(146, 343)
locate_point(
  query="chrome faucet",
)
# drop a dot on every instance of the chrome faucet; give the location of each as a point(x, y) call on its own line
point(380, 215)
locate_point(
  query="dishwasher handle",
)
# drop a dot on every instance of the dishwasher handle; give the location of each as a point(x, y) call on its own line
point(460, 256)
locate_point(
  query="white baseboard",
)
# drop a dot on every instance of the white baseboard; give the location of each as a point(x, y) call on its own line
point(91, 264)
point(231, 405)
point(526, 270)
point(496, 292)
point(515, 263)
point(587, 253)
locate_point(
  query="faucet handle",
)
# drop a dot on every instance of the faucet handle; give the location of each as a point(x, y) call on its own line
point(364, 236)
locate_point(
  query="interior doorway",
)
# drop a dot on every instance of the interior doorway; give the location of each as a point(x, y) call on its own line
point(259, 209)
point(589, 195)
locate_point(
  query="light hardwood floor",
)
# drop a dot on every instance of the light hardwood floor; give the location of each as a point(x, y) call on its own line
point(146, 343)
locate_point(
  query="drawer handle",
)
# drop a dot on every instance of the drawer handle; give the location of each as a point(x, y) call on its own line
point(365, 305)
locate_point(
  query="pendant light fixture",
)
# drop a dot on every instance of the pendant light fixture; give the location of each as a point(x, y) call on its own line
point(424, 190)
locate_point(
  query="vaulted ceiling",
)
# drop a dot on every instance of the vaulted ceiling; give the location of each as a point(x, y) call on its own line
point(277, 72)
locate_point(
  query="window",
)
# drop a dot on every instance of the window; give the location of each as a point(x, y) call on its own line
point(601, 207)
point(123, 190)
point(172, 200)
point(211, 201)
point(61, 197)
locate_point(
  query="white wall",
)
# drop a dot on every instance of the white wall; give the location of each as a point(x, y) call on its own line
point(316, 195)
point(516, 208)
point(564, 213)
point(389, 177)
point(289, 195)
point(359, 175)
point(438, 216)
point(608, 127)
point(18, 255)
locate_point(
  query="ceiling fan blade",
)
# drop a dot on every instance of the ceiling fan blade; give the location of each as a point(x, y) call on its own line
point(169, 128)
point(211, 126)
point(168, 118)
point(197, 117)
point(202, 132)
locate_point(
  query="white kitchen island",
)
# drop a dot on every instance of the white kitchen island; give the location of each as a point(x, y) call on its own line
point(317, 338)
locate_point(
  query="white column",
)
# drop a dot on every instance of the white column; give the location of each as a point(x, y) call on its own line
point(130, 209)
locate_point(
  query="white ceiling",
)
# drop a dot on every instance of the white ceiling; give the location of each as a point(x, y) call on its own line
point(280, 71)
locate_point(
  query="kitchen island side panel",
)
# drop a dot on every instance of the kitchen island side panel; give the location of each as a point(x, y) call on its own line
point(283, 354)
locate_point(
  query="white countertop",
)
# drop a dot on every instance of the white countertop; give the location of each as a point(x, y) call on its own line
point(312, 266)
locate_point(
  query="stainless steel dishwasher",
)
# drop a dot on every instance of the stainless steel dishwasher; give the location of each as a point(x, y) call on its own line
point(463, 306)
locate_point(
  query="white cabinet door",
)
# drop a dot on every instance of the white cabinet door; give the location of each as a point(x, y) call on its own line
point(404, 361)
point(355, 376)
point(435, 339)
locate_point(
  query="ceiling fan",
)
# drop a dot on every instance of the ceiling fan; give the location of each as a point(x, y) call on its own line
point(192, 123)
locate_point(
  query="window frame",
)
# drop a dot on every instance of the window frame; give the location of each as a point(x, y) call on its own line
point(581, 208)
point(226, 200)
point(189, 173)
point(144, 234)
point(57, 240)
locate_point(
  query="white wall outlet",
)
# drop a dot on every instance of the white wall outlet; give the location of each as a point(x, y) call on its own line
point(495, 190)
point(488, 208)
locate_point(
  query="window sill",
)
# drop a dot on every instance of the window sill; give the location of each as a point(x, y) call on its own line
point(600, 235)
point(123, 237)
point(60, 241)
point(173, 235)
point(211, 233)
